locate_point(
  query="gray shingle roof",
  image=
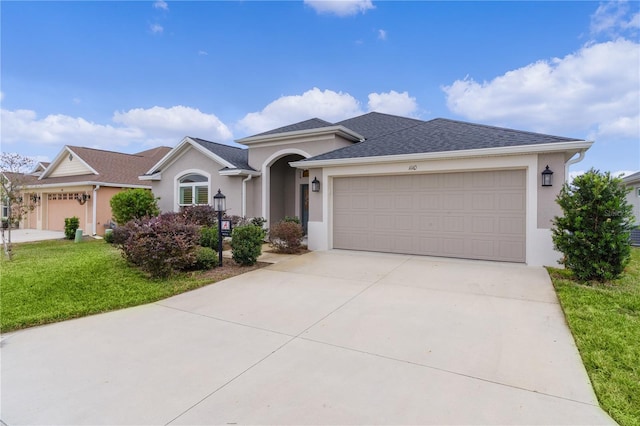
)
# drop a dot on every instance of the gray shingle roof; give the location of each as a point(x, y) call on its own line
point(375, 124)
point(439, 135)
point(313, 123)
point(239, 157)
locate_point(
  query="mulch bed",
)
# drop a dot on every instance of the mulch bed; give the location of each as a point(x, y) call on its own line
point(230, 269)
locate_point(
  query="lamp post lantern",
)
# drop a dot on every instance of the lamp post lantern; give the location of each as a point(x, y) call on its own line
point(219, 206)
point(547, 177)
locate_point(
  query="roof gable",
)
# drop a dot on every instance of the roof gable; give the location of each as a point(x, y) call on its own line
point(313, 123)
point(100, 166)
point(228, 156)
point(236, 156)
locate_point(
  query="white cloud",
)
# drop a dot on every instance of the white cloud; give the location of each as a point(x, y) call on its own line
point(156, 28)
point(161, 4)
point(23, 126)
point(596, 89)
point(340, 7)
point(1, 96)
point(328, 105)
point(393, 103)
point(203, 53)
point(615, 18)
point(151, 127)
point(158, 123)
point(382, 35)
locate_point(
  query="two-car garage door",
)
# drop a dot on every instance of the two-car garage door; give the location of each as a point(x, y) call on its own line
point(471, 215)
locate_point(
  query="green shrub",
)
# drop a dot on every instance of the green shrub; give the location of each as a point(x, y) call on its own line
point(594, 231)
point(209, 237)
point(206, 258)
point(71, 224)
point(133, 204)
point(246, 244)
point(293, 219)
point(108, 236)
point(286, 237)
point(161, 245)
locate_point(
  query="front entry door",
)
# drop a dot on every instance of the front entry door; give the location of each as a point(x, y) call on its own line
point(304, 206)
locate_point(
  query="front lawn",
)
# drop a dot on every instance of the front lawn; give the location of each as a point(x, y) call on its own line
point(52, 281)
point(605, 322)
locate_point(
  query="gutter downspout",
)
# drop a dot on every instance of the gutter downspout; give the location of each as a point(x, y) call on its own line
point(95, 209)
point(571, 162)
point(244, 195)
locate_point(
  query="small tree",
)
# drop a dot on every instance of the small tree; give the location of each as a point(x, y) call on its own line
point(13, 183)
point(593, 234)
point(133, 204)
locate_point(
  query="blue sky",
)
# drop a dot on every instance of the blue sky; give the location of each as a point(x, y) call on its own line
point(127, 76)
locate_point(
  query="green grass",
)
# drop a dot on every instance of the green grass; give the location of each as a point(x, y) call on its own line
point(605, 322)
point(52, 281)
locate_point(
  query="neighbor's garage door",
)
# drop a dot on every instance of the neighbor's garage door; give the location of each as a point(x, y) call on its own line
point(61, 206)
point(471, 215)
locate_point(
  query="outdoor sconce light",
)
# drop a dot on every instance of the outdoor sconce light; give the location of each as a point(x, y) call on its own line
point(547, 177)
point(83, 198)
point(219, 206)
point(35, 198)
point(315, 185)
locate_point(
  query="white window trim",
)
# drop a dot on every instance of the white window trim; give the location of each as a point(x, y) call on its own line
point(177, 185)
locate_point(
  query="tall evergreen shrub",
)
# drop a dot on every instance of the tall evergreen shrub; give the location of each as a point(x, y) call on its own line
point(594, 231)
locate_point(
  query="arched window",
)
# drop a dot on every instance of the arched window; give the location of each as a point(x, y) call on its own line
point(194, 190)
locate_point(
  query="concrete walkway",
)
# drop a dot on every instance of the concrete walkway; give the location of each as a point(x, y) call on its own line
point(325, 338)
point(30, 235)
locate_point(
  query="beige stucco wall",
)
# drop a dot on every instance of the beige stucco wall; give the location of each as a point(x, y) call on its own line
point(547, 206)
point(103, 207)
point(539, 246)
point(193, 161)
point(315, 198)
point(259, 154)
point(263, 155)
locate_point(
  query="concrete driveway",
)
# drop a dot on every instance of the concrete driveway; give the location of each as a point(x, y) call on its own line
point(325, 338)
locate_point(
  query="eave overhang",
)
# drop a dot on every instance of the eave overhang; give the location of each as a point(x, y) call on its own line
point(572, 146)
point(239, 172)
point(321, 131)
point(85, 183)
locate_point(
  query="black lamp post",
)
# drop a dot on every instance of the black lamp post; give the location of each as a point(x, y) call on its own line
point(219, 205)
point(547, 177)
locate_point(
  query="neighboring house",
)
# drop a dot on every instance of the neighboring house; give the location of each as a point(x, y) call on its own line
point(633, 197)
point(80, 182)
point(387, 184)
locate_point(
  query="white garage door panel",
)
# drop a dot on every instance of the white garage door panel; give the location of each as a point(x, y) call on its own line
point(474, 215)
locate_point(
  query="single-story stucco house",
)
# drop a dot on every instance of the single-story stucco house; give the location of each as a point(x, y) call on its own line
point(80, 182)
point(633, 197)
point(386, 183)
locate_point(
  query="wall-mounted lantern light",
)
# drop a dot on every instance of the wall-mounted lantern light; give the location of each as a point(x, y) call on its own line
point(547, 177)
point(35, 198)
point(315, 185)
point(219, 206)
point(83, 198)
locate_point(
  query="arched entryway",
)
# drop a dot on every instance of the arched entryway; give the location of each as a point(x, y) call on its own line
point(287, 189)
